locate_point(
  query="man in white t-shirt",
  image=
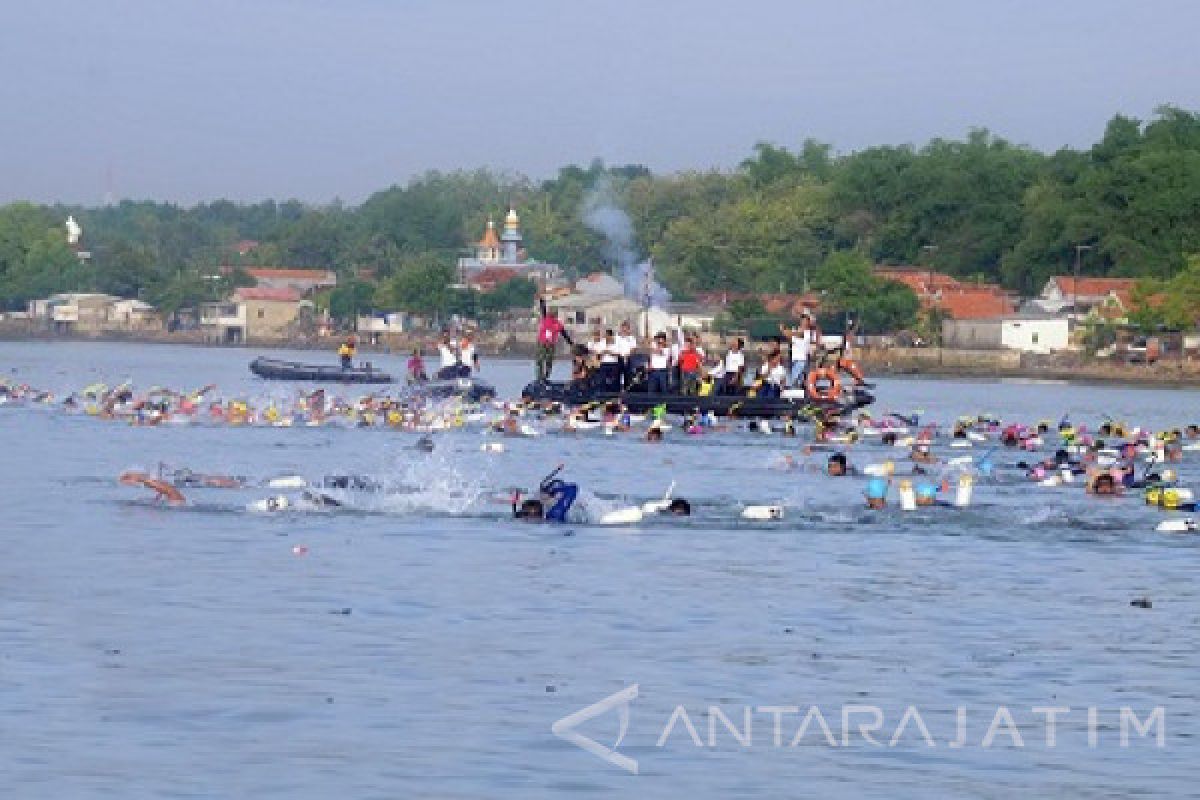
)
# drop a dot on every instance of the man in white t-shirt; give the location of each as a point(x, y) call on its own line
point(734, 367)
point(610, 361)
point(800, 344)
point(658, 381)
point(449, 356)
point(626, 346)
point(467, 354)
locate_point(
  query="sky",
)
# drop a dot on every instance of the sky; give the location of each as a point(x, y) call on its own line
point(193, 100)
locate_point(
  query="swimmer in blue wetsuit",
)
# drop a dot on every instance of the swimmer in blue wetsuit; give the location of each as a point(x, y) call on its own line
point(560, 495)
point(554, 500)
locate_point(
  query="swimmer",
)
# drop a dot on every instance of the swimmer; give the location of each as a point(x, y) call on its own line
point(680, 507)
point(357, 482)
point(922, 455)
point(837, 467)
point(926, 494)
point(1104, 484)
point(321, 500)
point(554, 500)
point(163, 491)
point(877, 490)
point(654, 434)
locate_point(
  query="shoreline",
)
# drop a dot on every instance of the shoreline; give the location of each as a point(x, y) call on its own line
point(978, 366)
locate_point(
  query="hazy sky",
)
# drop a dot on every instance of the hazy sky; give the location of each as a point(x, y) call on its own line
point(187, 100)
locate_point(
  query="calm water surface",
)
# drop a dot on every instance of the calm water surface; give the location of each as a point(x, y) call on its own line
point(425, 644)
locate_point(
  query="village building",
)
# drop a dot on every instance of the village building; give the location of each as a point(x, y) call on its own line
point(937, 291)
point(254, 314)
point(93, 313)
point(504, 254)
point(1027, 333)
point(304, 281)
point(1082, 295)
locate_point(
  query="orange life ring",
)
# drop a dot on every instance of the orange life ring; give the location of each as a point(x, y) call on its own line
point(832, 384)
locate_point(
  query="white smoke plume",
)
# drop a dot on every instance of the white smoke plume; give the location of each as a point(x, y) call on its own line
point(602, 213)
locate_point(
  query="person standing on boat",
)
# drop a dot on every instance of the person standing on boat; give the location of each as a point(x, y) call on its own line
point(346, 353)
point(660, 365)
point(448, 353)
point(610, 362)
point(468, 356)
point(734, 368)
point(801, 340)
point(416, 367)
point(846, 361)
point(626, 345)
point(691, 362)
point(549, 329)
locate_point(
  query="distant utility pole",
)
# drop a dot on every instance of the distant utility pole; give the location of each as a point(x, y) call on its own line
point(1079, 248)
point(931, 249)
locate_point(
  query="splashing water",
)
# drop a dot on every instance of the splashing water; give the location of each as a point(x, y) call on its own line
point(430, 482)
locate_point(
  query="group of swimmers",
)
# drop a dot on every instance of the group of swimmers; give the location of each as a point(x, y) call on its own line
point(161, 406)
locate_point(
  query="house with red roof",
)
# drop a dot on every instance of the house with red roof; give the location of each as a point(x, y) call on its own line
point(1063, 292)
point(949, 295)
point(254, 313)
point(488, 278)
point(304, 281)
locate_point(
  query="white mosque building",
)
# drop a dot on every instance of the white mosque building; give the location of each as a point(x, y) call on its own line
point(501, 257)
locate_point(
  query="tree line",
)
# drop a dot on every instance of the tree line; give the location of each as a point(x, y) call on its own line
point(786, 219)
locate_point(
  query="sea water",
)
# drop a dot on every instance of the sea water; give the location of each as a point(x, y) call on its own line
point(423, 643)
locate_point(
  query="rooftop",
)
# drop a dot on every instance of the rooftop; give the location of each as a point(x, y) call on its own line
point(289, 273)
point(969, 302)
point(275, 295)
point(1092, 287)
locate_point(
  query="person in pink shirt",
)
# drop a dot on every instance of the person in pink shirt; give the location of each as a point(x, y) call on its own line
point(549, 329)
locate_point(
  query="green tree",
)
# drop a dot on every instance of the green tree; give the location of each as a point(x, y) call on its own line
point(420, 285)
point(514, 293)
point(850, 286)
point(350, 299)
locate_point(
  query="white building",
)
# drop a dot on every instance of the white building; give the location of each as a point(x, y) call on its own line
point(1027, 333)
point(594, 311)
point(506, 251)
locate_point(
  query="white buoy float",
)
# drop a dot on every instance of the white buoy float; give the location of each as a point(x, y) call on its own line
point(1181, 525)
point(762, 513)
point(270, 504)
point(622, 516)
point(659, 506)
point(962, 495)
point(287, 482)
point(492, 447)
